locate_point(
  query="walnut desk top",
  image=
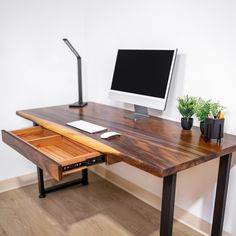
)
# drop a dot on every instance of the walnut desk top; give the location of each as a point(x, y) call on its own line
point(155, 145)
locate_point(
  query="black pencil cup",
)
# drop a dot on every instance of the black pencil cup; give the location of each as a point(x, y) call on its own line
point(213, 129)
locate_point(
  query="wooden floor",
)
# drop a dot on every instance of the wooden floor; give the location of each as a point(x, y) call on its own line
point(99, 209)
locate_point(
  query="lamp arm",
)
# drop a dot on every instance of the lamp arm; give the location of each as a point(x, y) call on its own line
point(67, 42)
point(80, 102)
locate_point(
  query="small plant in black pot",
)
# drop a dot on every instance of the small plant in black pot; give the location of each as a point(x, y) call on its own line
point(202, 109)
point(186, 107)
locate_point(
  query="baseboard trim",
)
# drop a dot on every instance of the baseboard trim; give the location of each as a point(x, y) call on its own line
point(17, 182)
point(20, 181)
point(181, 215)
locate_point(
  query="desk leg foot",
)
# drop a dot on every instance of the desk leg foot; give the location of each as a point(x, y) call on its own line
point(85, 176)
point(221, 195)
point(168, 203)
point(42, 195)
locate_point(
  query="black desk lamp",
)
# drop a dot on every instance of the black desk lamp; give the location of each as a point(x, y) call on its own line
point(80, 102)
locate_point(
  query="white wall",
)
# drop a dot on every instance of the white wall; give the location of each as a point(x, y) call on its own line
point(205, 34)
point(37, 69)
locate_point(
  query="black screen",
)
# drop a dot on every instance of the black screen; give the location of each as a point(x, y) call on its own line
point(144, 72)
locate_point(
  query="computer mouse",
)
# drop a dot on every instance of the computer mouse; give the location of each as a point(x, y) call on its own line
point(109, 134)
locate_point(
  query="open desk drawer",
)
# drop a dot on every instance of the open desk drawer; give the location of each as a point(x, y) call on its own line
point(53, 153)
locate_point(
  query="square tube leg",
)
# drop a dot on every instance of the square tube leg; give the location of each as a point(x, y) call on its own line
point(85, 176)
point(168, 203)
point(42, 193)
point(221, 195)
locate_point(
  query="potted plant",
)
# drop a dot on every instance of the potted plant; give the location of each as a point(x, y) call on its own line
point(202, 109)
point(205, 107)
point(186, 106)
point(216, 108)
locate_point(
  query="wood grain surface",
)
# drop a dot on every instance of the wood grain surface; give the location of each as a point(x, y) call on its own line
point(33, 154)
point(70, 133)
point(155, 145)
point(49, 150)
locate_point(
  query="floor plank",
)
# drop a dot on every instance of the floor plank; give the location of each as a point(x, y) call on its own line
point(99, 208)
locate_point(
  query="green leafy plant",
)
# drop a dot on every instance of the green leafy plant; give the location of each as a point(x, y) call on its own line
point(205, 107)
point(216, 108)
point(186, 106)
point(202, 109)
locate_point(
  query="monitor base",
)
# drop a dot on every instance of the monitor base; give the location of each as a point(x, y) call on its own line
point(78, 104)
point(140, 112)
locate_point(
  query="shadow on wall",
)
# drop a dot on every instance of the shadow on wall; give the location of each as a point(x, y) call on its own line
point(196, 189)
point(209, 199)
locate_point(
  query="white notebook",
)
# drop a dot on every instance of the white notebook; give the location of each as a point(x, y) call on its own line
point(86, 126)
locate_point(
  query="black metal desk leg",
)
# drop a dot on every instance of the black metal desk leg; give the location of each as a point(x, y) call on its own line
point(221, 195)
point(42, 193)
point(168, 204)
point(85, 176)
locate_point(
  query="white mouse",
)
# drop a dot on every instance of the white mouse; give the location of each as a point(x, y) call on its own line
point(109, 134)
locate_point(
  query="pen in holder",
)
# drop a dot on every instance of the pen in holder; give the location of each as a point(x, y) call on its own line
point(213, 129)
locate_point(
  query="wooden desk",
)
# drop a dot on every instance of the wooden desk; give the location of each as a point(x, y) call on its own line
point(155, 145)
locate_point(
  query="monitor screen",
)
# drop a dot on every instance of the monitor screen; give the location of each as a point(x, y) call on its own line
point(143, 72)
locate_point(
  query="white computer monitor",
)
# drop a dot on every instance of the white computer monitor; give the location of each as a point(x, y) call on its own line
point(142, 78)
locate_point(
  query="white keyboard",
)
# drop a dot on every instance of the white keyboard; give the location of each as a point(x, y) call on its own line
point(86, 126)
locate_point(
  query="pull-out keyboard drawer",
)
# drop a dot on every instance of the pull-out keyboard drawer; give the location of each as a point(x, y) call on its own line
point(53, 153)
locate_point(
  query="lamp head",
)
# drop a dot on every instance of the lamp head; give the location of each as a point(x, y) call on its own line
point(71, 48)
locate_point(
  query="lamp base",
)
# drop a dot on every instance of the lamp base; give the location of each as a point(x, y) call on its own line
point(78, 104)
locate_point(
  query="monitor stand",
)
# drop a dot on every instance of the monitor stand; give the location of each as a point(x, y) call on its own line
point(140, 112)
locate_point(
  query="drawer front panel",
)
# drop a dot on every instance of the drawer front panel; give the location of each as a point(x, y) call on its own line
point(33, 154)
